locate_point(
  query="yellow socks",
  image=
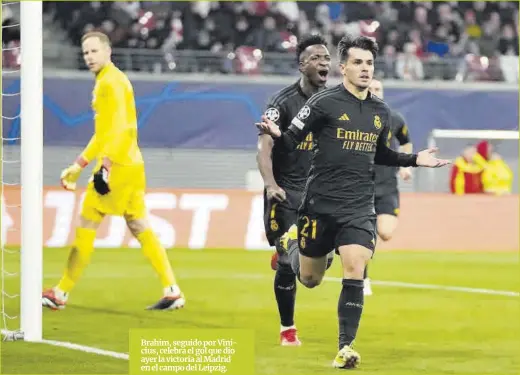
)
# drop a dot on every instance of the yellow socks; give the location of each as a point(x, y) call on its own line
point(79, 258)
point(81, 252)
point(156, 253)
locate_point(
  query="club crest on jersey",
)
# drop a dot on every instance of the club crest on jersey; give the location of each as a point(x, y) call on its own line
point(304, 112)
point(377, 122)
point(274, 226)
point(272, 114)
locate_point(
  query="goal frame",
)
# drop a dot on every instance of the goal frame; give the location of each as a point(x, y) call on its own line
point(470, 134)
point(31, 113)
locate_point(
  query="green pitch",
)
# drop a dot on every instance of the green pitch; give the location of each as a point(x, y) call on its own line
point(403, 331)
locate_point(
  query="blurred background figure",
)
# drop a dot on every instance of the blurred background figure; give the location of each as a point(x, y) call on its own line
point(409, 66)
point(445, 63)
point(466, 173)
point(497, 176)
point(480, 170)
point(203, 72)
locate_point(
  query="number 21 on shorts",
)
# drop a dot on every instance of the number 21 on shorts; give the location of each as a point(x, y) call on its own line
point(308, 230)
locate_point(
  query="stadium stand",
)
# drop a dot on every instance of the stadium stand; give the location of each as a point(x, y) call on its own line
point(465, 41)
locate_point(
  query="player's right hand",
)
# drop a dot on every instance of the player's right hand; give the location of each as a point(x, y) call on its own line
point(267, 126)
point(69, 176)
point(276, 193)
point(425, 158)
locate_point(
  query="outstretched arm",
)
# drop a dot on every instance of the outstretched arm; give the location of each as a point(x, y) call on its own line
point(386, 156)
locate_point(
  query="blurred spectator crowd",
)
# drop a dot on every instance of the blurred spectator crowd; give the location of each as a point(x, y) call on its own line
point(10, 35)
point(465, 41)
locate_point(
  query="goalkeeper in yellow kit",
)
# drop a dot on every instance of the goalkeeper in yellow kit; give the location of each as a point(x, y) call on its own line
point(118, 184)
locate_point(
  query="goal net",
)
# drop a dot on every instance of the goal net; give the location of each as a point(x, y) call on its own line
point(21, 173)
point(452, 142)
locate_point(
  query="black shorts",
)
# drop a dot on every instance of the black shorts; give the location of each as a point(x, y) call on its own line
point(387, 204)
point(279, 216)
point(318, 234)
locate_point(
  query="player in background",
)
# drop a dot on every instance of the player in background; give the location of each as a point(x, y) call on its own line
point(350, 128)
point(118, 184)
point(285, 171)
point(387, 191)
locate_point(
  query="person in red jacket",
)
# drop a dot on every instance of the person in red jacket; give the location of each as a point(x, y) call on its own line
point(466, 173)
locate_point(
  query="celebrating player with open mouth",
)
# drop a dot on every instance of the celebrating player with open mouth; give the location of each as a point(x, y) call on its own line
point(285, 171)
point(350, 127)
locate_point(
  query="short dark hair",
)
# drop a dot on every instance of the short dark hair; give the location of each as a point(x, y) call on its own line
point(307, 41)
point(362, 42)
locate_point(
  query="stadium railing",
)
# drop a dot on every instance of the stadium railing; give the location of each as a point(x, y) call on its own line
point(252, 61)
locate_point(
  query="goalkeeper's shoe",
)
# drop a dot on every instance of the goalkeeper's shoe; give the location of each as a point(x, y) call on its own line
point(173, 299)
point(347, 358)
point(53, 300)
point(289, 337)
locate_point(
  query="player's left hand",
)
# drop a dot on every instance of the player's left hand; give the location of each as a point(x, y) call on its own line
point(425, 158)
point(405, 173)
point(267, 126)
point(275, 193)
point(101, 177)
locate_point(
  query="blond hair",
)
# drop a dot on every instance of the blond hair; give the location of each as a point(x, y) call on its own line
point(96, 34)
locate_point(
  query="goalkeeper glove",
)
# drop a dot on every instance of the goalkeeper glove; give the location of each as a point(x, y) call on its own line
point(69, 176)
point(101, 177)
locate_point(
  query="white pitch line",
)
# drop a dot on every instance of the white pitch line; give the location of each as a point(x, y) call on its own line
point(398, 284)
point(87, 349)
point(462, 289)
point(81, 348)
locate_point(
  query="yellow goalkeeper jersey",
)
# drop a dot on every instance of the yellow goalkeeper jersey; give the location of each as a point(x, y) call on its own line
point(115, 119)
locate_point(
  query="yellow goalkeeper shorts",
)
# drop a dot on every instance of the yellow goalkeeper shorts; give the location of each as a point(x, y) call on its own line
point(126, 198)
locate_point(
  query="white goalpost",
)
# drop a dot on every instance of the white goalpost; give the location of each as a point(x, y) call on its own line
point(471, 134)
point(31, 90)
point(31, 116)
